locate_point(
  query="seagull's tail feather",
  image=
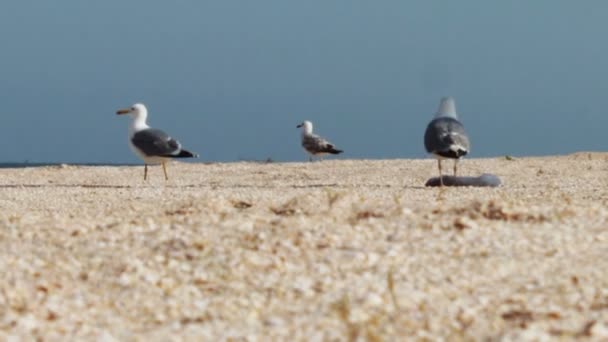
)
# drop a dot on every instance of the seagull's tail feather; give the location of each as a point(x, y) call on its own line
point(334, 151)
point(185, 154)
point(454, 153)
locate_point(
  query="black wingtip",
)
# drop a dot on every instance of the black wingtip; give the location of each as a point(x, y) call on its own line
point(186, 154)
point(452, 154)
point(334, 151)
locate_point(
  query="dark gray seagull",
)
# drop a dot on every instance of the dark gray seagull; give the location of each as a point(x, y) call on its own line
point(152, 145)
point(445, 137)
point(314, 144)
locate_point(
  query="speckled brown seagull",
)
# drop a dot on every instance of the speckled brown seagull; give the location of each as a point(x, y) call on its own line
point(314, 144)
point(152, 145)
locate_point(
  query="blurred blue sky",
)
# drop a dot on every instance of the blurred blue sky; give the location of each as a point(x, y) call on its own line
point(232, 79)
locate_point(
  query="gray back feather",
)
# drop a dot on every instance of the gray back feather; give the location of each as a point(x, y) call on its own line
point(154, 142)
point(444, 132)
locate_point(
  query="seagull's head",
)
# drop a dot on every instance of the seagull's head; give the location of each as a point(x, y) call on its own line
point(447, 108)
point(306, 127)
point(138, 111)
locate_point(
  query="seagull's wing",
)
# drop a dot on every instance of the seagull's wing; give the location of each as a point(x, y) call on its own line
point(154, 142)
point(446, 137)
point(315, 144)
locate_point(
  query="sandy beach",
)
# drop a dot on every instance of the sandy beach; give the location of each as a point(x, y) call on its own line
point(334, 250)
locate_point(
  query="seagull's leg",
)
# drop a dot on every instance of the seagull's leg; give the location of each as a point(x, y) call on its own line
point(310, 159)
point(165, 171)
point(455, 166)
point(440, 176)
point(145, 171)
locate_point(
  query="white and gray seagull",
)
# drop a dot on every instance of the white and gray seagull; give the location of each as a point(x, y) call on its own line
point(314, 144)
point(152, 145)
point(445, 136)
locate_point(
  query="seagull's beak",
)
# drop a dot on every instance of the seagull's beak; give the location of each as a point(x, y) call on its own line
point(298, 126)
point(123, 111)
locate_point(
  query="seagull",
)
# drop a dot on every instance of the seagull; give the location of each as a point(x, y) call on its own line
point(445, 136)
point(314, 144)
point(152, 145)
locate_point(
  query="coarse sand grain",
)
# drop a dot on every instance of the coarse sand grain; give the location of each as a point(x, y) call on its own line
point(345, 250)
